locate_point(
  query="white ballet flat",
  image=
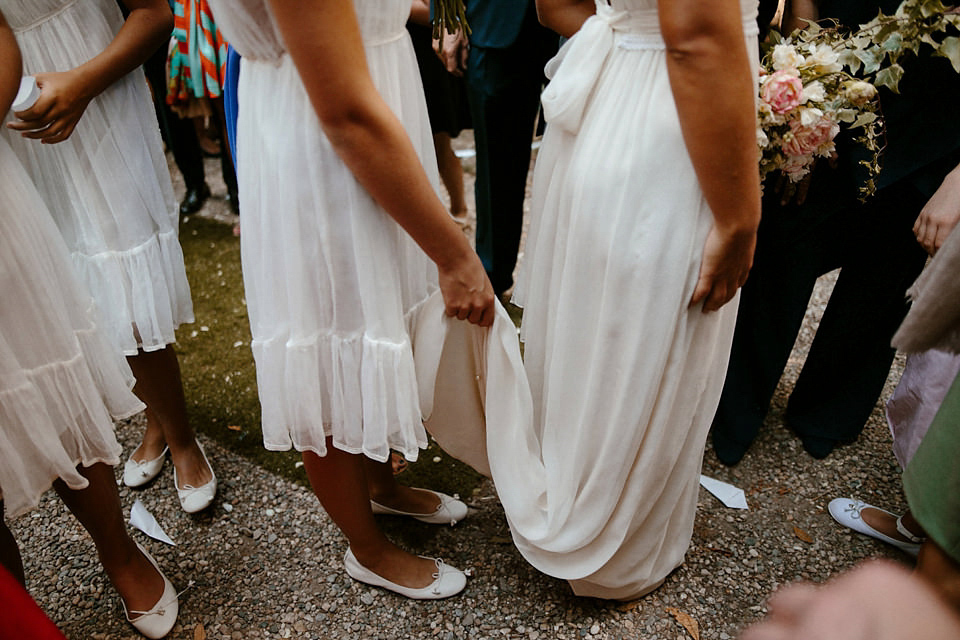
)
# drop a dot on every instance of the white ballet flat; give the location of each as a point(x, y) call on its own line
point(448, 581)
point(159, 620)
point(194, 499)
point(846, 511)
point(450, 510)
point(136, 474)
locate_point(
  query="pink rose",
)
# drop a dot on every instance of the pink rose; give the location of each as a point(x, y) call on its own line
point(796, 167)
point(782, 90)
point(805, 140)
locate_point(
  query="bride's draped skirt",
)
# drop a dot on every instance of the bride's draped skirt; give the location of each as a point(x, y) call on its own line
point(625, 376)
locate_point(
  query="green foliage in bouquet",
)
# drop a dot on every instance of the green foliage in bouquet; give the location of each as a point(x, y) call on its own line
point(847, 65)
point(449, 16)
point(876, 48)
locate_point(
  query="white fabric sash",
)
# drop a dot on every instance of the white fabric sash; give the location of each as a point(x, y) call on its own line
point(571, 85)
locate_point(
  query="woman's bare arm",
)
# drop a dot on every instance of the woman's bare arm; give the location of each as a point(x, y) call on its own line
point(11, 68)
point(565, 16)
point(65, 95)
point(324, 40)
point(715, 93)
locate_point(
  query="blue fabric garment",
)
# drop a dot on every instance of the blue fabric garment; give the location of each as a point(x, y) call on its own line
point(230, 100)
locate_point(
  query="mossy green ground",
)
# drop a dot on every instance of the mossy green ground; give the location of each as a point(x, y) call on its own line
point(219, 378)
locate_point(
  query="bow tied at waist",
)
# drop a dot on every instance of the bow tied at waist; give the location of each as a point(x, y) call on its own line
point(572, 82)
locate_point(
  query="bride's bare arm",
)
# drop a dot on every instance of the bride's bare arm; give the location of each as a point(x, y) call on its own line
point(714, 90)
point(324, 40)
point(564, 16)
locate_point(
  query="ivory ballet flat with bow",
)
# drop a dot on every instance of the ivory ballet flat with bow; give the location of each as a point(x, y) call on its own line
point(448, 581)
point(159, 619)
point(136, 474)
point(449, 511)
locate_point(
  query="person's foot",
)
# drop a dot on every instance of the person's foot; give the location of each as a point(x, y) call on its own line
point(196, 495)
point(408, 499)
point(138, 582)
point(818, 447)
point(850, 513)
point(192, 466)
point(886, 523)
point(424, 505)
point(729, 452)
point(193, 200)
point(412, 576)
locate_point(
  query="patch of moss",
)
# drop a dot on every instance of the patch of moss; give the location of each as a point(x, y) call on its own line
point(219, 377)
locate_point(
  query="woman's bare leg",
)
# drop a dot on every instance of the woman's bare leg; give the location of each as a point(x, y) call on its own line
point(451, 172)
point(340, 482)
point(98, 509)
point(385, 490)
point(161, 389)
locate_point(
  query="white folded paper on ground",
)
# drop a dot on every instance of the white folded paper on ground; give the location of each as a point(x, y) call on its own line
point(144, 520)
point(728, 494)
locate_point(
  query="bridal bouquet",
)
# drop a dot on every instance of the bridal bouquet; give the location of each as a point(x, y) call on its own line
point(805, 96)
point(820, 79)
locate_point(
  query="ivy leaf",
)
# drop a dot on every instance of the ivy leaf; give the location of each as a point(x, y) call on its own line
point(871, 59)
point(894, 42)
point(864, 119)
point(931, 7)
point(950, 49)
point(850, 60)
point(890, 78)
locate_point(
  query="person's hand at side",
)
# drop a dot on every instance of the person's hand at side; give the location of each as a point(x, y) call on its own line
point(876, 601)
point(453, 48)
point(726, 262)
point(940, 215)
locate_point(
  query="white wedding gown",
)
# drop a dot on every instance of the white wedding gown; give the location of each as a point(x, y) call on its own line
point(625, 377)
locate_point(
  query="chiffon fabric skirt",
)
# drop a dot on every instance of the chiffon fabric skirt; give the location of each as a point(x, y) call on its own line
point(61, 382)
point(332, 282)
point(625, 376)
point(107, 186)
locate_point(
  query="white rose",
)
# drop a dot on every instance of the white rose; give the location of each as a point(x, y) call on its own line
point(786, 56)
point(860, 92)
point(810, 115)
point(762, 139)
point(824, 57)
point(814, 92)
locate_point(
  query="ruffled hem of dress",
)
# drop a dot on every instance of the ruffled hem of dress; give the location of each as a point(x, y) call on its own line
point(142, 293)
point(60, 415)
point(357, 389)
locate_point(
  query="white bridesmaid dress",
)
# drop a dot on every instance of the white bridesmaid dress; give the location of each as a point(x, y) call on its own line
point(61, 381)
point(107, 186)
point(332, 281)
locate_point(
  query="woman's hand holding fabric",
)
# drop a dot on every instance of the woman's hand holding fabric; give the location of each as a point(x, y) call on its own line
point(467, 292)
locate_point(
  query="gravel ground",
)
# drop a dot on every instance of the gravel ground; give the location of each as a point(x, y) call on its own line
point(265, 561)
